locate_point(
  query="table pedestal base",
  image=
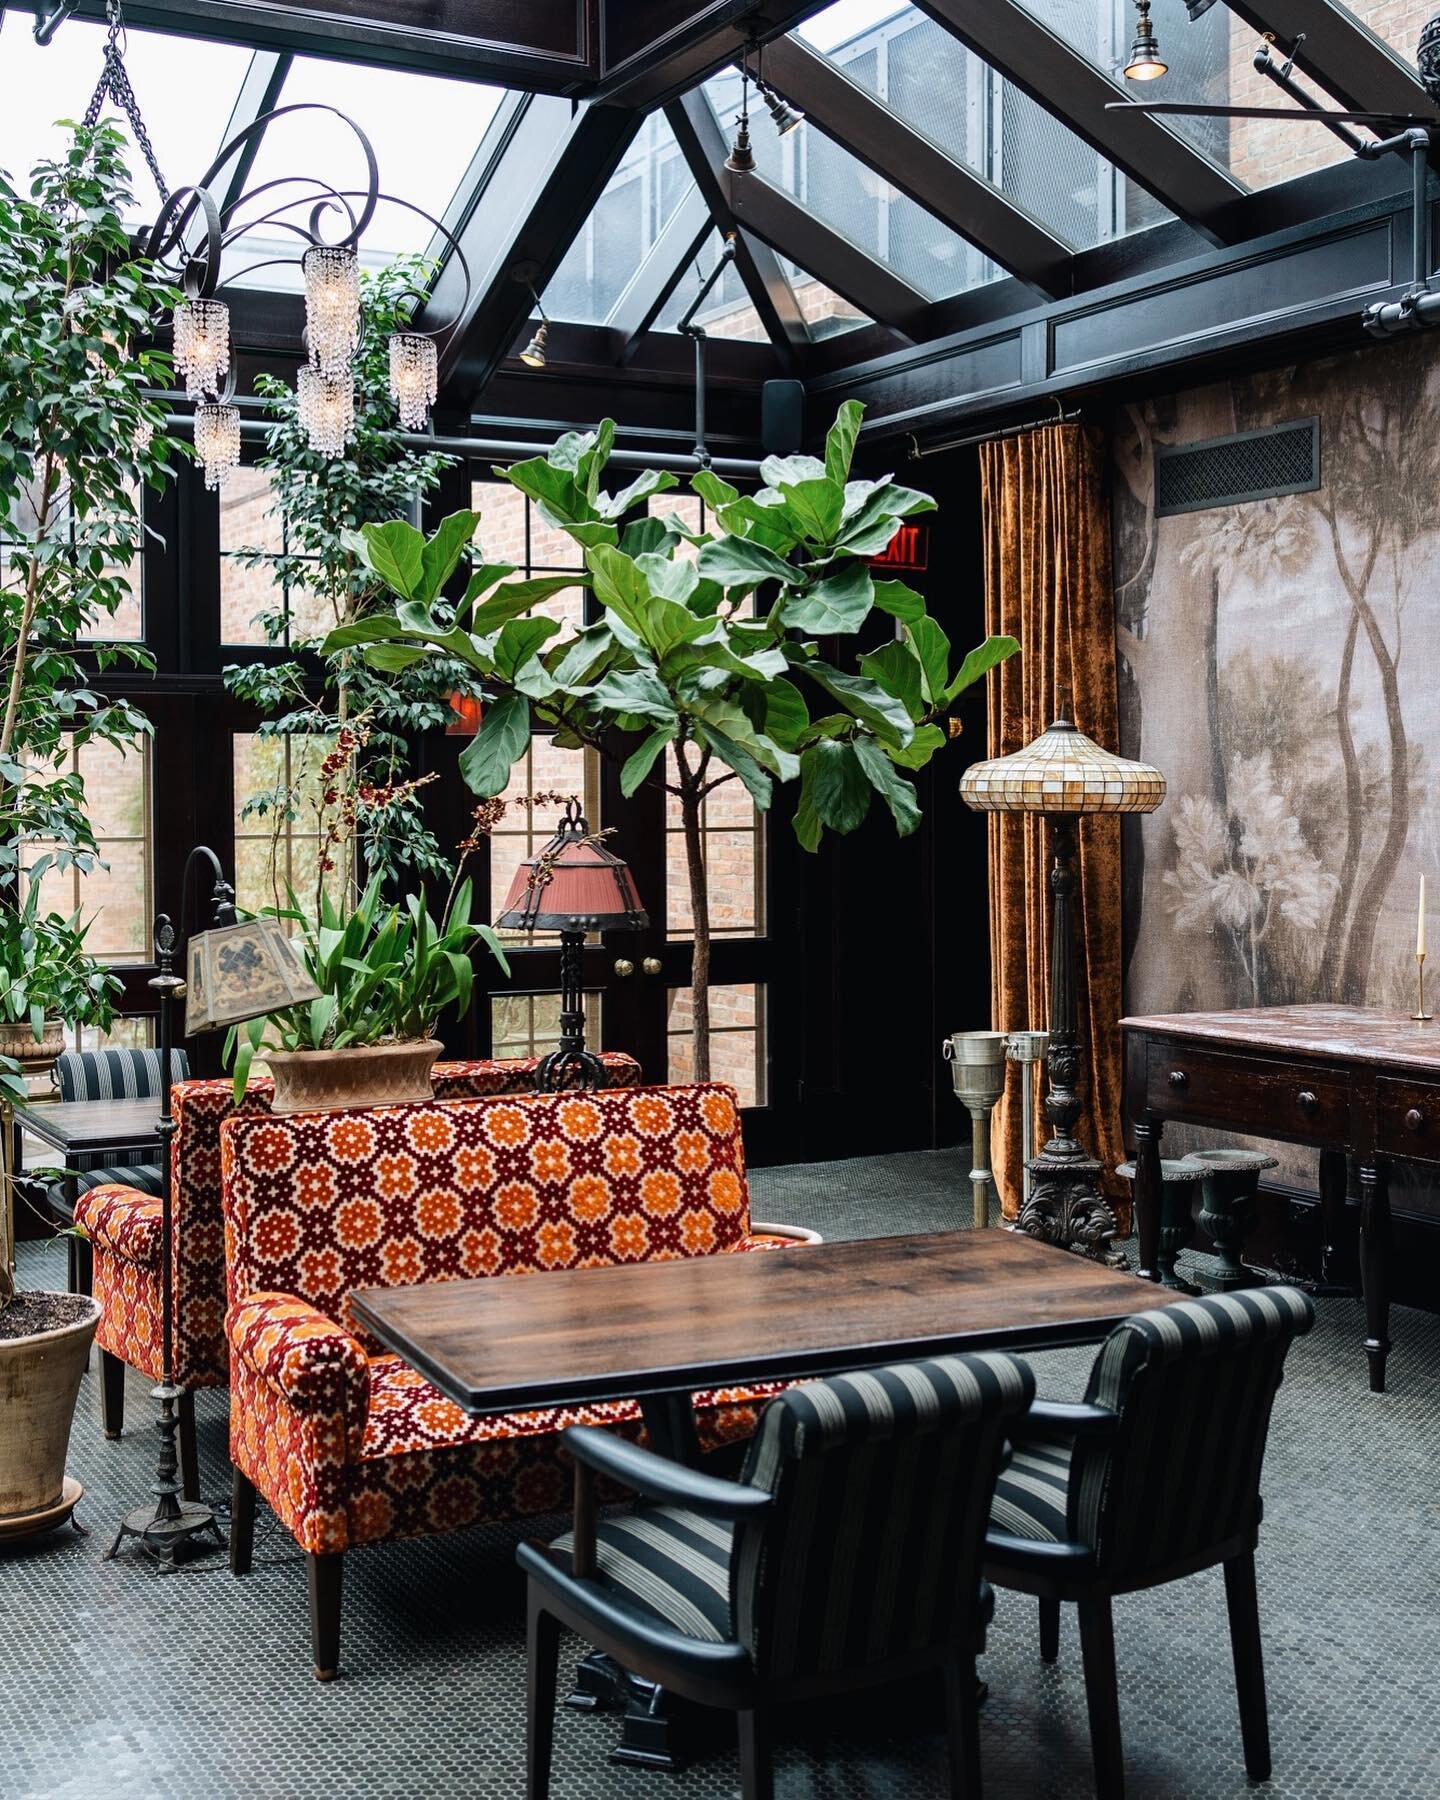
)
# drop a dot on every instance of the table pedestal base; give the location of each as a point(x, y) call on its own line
point(652, 1734)
point(1066, 1207)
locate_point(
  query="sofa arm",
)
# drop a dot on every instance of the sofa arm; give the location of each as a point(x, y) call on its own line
point(123, 1221)
point(315, 1364)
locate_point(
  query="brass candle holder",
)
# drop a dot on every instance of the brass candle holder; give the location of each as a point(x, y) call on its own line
point(1420, 1014)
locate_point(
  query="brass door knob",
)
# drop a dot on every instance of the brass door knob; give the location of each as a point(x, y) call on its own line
point(624, 966)
point(652, 965)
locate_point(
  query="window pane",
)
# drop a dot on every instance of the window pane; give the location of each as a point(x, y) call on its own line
point(127, 623)
point(273, 852)
point(501, 537)
point(529, 1024)
point(733, 836)
point(737, 1039)
point(247, 522)
point(118, 899)
point(727, 312)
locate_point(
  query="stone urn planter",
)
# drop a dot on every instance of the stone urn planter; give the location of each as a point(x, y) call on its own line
point(44, 1344)
point(372, 1075)
point(18, 1041)
point(1228, 1210)
point(1179, 1178)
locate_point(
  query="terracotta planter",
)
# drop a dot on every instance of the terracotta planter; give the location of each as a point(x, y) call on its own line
point(39, 1380)
point(19, 1041)
point(377, 1075)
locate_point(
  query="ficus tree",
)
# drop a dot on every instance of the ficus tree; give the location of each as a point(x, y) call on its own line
point(707, 663)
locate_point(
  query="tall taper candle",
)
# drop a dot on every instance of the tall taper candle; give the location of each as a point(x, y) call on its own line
point(1420, 926)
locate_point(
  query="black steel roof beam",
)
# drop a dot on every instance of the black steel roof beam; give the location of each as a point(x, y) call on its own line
point(652, 54)
point(259, 93)
point(703, 145)
point(548, 163)
point(955, 194)
point(1342, 54)
point(781, 221)
point(662, 270)
point(1057, 77)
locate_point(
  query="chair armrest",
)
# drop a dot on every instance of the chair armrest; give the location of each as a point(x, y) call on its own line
point(660, 1479)
point(1065, 1420)
point(122, 1220)
point(316, 1364)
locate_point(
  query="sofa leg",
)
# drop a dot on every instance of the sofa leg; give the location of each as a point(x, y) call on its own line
point(189, 1457)
point(325, 1572)
point(242, 1523)
point(112, 1394)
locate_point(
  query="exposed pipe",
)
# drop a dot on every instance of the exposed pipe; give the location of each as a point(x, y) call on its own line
point(1058, 417)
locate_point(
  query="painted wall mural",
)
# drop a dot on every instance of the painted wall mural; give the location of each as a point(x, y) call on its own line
point(1280, 660)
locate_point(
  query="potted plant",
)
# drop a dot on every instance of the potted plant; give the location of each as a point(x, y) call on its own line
point(385, 975)
point(48, 981)
point(709, 656)
point(78, 441)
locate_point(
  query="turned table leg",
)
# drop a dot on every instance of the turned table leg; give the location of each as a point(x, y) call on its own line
point(1148, 1133)
point(1375, 1265)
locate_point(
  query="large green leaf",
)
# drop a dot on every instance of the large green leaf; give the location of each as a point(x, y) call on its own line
point(652, 481)
point(926, 741)
point(519, 641)
point(897, 793)
point(442, 552)
point(584, 658)
point(543, 481)
point(735, 756)
point(838, 604)
point(640, 762)
point(482, 580)
point(395, 552)
point(619, 584)
point(838, 789)
point(393, 658)
point(786, 716)
point(867, 700)
point(516, 597)
point(729, 717)
point(932, 647)
point(634, 691)
point(840, 441)
point(594, 453)
point(737, 562)
point(671, 577)
point(775, 471)
point(712, 490)
point(980, 661)
point(897, 669)
point(815, 505)
point(899, 601)
point(503, 737)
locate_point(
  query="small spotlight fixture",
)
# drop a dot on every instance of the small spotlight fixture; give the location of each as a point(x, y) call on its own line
point(1146, 63)
point(1197, 9)
point(533, 355)
point(741, 160)
point(784, 115)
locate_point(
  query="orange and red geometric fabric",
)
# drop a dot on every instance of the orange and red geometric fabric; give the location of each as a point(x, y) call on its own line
point(124, 1223)
point(347, 1443)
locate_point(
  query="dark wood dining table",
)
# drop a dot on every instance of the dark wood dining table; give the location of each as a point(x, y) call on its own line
point(122, 1131)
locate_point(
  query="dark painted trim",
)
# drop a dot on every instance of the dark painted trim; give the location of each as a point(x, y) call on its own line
point(1340, 52)
point(662, 270)
point(693, 42)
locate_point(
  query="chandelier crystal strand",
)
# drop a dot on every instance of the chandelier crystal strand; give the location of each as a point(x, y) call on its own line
point(217, 441)
point(332, 307)
point(414, 377)
point(327, 409)
point(202, 345)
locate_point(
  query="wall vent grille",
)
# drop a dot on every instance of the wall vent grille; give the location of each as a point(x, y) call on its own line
point(1251, 465)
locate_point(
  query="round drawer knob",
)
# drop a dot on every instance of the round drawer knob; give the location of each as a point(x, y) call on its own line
point(624, 966)
point(652, 965)
point(1178, 1079)
point(1306, 1101)
point(1414, 1119)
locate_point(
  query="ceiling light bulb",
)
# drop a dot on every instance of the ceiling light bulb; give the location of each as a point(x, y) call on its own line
point(414, 377)
point(202, 345)
point(533, 355)
point(332, 306)
point(217, 441)
point(783, 114)
point(1145, 62)
point(326, 404)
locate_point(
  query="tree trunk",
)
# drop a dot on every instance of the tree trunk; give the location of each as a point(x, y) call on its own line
point(691, 801)
point(1354, 816)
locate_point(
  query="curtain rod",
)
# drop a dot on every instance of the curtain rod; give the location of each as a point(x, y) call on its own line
point(507, 449)
point(1058, 417)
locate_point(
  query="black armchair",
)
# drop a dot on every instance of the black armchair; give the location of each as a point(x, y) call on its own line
point(745, 1595)
point(1155, 1476)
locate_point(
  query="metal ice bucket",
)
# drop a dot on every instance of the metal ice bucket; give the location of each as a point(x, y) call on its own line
point(977, 1068)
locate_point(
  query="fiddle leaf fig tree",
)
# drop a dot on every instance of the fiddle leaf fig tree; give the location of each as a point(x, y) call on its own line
point(707, 664)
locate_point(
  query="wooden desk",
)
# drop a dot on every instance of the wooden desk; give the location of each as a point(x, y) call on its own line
point(1344, 1080)
point(657, 1332)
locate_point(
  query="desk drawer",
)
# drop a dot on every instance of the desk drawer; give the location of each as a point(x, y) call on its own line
point(1407, 1118)
point(1271, 1097)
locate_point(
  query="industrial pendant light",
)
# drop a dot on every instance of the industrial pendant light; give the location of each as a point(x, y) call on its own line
point(741, 160)
point(784, 115)
point(533, 355)
point(1145, 63)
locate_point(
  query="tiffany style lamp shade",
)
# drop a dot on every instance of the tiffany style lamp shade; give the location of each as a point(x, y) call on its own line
point(1064, 775)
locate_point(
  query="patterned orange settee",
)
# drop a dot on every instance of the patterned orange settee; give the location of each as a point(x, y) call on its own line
point(347, 1443)
point(123, 1226)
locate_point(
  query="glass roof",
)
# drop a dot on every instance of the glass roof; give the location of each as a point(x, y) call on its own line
point(951, 96)
point(186, 89)
point(728, 313)
point(638, 202)
point(424, 131)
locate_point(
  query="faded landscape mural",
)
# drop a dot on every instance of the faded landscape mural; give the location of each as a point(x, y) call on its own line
point(1280, 660)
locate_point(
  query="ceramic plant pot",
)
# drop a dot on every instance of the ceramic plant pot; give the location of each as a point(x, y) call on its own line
point(39, 1380)
point(18, 1041)
point(375, 1075)
point(1228, 1209)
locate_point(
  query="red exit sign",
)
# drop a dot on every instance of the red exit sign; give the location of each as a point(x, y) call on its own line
point(909, 550)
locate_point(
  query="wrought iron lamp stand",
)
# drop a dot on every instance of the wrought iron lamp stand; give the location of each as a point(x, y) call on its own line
point(570, 1063)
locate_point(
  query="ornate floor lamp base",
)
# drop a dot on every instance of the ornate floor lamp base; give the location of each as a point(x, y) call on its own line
point(1066, 1207)
point(161, 1536)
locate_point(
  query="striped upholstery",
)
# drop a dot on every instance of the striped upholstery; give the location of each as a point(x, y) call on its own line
point(114, 1075)
point(670, 1562)
point(882, 1483)
point(1192, 1385)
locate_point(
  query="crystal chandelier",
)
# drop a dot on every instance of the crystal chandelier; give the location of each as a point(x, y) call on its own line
point(332, 306)
point(202, 345)
point(414, 377)
point(326, 405)
point(217, 440)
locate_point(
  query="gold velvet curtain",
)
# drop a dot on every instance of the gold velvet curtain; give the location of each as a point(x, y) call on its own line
point(1046, 524)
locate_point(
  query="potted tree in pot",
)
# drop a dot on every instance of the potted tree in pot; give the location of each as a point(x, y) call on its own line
point(78, 441)
point(47, 981)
